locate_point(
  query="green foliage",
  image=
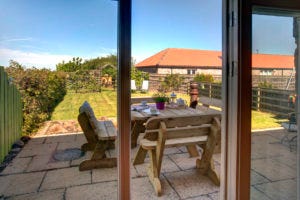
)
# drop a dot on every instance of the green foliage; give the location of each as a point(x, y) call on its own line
point(110, 71)
point(138, 76)
point(82, 80)
point(95, 63)
point(172, 82)
point(71, 66)
point(41, 91)
point(265, 84)
point(204, 78)
point(160, 97)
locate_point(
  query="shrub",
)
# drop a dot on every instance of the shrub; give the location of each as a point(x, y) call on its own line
point(265, 84)
point(204, 78)
point(172, 82)
point(41, 91)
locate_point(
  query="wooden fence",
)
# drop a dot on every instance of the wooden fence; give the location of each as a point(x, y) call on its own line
point(10, 114)
point(267, 100)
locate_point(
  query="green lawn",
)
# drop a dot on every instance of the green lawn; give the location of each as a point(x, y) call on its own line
point(105, 104)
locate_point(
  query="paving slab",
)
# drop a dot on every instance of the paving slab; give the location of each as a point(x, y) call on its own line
point(214, 196)
point(37, 149)
point(86, 156)
point(68, 145)
point(80, 138)
point(141, 188)
point(61, 178)
point(259, 151)
point(18, 165)
point(104, 175)
point(167, 166)
point(258, 178)
point(272, 169)
point(191, 183)
point(184, 161)
point(257, 195)
point(66, 138)
point(36, 140)
point(45, 162)
point(202, 197)
point(103, 191)
point(46, 195)
point(20, 183)
point(279, 190)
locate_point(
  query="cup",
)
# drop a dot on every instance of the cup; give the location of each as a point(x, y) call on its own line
point(144, 103)
point(153, 111)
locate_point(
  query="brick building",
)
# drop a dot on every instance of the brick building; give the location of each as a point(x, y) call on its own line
point(193, 61)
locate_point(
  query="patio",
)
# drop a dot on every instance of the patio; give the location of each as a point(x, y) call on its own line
point(34, 174)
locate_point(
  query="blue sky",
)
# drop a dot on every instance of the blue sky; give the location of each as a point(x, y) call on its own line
point(42, 33)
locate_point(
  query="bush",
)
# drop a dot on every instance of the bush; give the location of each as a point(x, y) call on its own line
point(41, 91)
point(82, 81)
point(265, 84)
point(204, 78)
point(172, 82)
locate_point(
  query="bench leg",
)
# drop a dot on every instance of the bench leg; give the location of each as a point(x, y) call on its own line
point(153, 172)
point(206, 165)
point(140, 156)
point(99, 159)
point(193, 151)
point(88, 147)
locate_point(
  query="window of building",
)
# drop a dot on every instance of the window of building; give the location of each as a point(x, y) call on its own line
point(191, 71)
point(266, 72)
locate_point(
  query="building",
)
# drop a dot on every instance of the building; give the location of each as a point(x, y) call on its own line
point(193, 61)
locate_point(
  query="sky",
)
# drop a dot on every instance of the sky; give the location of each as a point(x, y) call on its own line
point(42, 33)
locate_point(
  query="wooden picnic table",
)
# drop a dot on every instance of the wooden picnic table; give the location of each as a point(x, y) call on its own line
point(138, 118)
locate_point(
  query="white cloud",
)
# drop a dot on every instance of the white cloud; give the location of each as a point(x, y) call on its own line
point(29, 59)
point(16, 39)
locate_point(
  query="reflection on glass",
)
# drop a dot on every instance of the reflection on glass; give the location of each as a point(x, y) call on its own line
point(274, 104)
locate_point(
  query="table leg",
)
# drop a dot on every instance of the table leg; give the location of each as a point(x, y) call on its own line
point(137, 127)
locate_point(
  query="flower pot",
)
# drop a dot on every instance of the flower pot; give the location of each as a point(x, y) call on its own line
point(160, 105)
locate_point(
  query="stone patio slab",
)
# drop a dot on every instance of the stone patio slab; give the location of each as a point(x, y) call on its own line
point(66, 138)
point(280, 190)
point(45, 162)
point(141, 188)
point(46, 195)
point(37, 149)
point(61, 178)
point(257, 178)
point(103, 191)
point(184, 161)
point(257, 195)
point(104, 175)
point(272, 169)
point(21, 183)
point(191, 183)
point(167, 166)
point(18, 165)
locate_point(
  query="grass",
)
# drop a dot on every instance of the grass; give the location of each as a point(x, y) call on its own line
point(261, 120)
point(105, 104)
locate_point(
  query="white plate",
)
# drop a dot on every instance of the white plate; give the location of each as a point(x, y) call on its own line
point(147, 111)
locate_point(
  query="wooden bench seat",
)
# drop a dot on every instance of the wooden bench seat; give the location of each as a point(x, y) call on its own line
point(100, 136)
point(191, 130)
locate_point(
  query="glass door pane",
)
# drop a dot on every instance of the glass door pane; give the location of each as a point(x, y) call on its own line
point(274, 107)
point(175, 43)
point(62, 55)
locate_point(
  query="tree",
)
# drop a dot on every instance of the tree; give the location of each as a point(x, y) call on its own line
point(208, 78)
point(172, 82)
point(72, 66)
point(138, 76)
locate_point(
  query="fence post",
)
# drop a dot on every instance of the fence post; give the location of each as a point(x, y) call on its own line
point(258, 99)
point(194, 94)
point(209, 92)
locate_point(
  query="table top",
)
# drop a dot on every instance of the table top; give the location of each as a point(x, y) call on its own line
point(144, 114)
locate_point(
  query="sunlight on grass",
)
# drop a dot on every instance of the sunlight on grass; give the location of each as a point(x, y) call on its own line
point(261, 120)
point(104, 104)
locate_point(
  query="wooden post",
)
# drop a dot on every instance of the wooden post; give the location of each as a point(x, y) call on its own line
point(194, 94)
point(258, 99)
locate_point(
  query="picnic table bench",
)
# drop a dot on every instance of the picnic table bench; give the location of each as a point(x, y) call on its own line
point(100, 136)
point(164, 132)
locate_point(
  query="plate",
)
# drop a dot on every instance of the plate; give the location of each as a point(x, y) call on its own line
point(148, 112)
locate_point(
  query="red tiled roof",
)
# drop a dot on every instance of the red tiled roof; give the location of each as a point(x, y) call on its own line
point(174, 57)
